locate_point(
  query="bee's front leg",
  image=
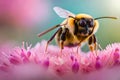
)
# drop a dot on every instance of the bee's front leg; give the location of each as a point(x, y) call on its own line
point(63, 37)
point(92, 43)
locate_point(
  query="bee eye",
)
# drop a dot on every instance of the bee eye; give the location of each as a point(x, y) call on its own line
point(91, 23)
point(82, 23)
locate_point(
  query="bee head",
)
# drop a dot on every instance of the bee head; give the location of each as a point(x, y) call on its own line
point(85, 26)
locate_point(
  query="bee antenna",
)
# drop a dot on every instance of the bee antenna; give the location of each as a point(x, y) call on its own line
point(72, 17)
point(106, 17)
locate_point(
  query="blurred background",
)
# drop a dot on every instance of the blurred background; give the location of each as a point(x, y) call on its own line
point(22, 20)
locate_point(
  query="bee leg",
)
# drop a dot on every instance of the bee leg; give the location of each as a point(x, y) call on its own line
point(99, 46)
point(78, 47)
point(63, 38)
point(93, 44)
point(96, 45)
point(61, 45)
point(52, 38)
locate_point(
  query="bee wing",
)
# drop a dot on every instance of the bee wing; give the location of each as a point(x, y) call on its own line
point(63, 13)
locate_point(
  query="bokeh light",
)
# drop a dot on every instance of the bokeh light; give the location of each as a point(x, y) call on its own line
point(22, 12)
point(19, 17)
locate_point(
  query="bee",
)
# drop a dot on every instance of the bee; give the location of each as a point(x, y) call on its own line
point(75, 29)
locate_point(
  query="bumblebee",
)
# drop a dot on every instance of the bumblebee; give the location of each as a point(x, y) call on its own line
point(75, 29)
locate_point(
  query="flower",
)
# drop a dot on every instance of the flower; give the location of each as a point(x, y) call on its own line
point(33, 63)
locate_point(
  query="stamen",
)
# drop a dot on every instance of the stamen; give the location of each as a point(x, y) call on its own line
point(75, 66)
point(98, 63)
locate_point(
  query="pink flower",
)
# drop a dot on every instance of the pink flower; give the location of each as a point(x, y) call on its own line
point(33, 63)
point(22, 12)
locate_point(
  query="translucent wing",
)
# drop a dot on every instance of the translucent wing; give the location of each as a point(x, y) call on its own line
point(63, 13)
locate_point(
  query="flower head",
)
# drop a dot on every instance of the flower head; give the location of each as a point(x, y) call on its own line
point(33, 63)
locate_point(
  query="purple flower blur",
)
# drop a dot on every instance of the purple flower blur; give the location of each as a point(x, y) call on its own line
point(27, 63)
point(22, 12)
